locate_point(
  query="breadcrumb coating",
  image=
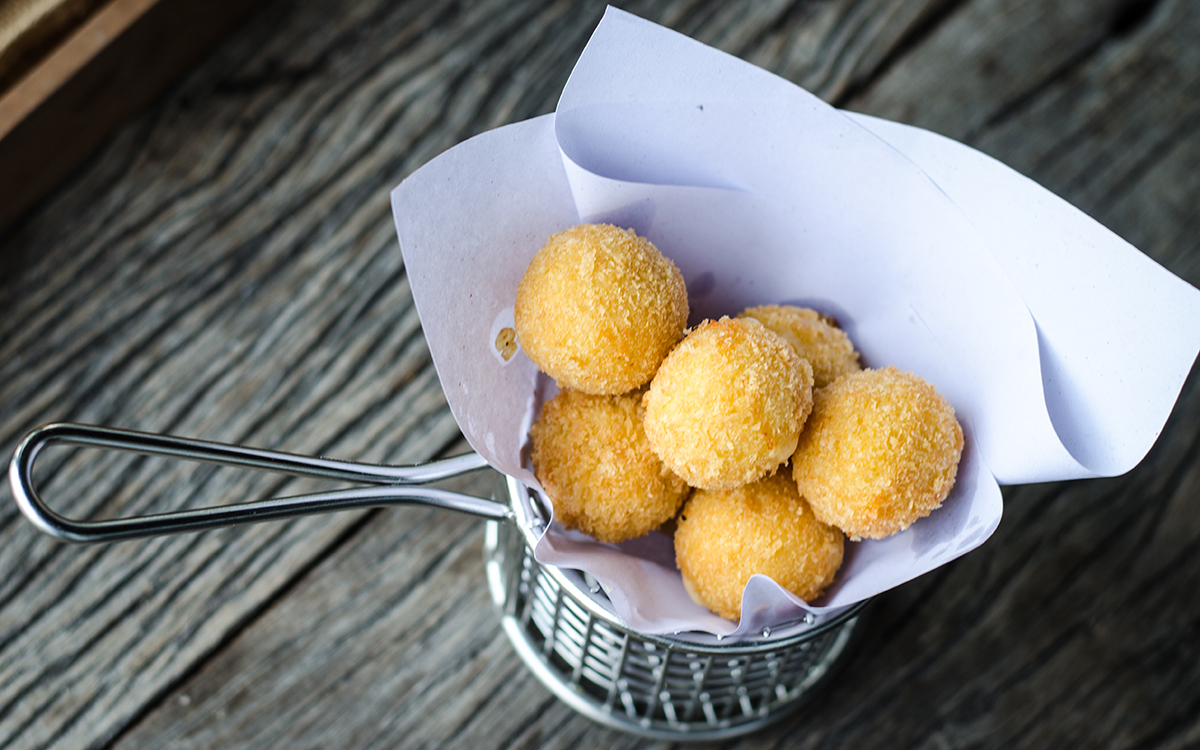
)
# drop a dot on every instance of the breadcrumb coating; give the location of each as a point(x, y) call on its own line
point(592, 458)
point(816, 338)
point(599, 307)
point(880, 450)
point(765, 527)
point(727, 404)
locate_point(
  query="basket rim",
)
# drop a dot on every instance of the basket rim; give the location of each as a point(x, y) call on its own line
point(530, 527)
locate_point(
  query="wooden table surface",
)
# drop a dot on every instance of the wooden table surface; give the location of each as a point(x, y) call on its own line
point(226, 268)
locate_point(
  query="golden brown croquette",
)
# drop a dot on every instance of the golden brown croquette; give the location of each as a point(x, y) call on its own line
point(727, 404)
point(592, 458)
point(765, 527)
point(815, 338)
point(599, 307)
point(880, 450)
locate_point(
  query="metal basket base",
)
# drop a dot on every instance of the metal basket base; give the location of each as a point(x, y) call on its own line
point(649, 685)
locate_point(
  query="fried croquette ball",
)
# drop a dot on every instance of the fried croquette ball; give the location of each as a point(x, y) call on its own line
point(599, 307)
point(727, 404)
point(591, 456)
point(879, 451)
point(724, 537)
point(816, 338)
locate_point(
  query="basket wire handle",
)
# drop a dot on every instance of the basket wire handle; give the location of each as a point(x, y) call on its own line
point(390, 485)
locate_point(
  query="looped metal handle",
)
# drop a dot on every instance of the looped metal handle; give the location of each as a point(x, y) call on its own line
point(392, 485)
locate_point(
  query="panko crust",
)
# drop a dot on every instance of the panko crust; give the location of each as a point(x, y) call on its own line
point(880, 450)
point(599, 308)
point(727, 404)
point(765, 527)
point(815, 338)
point(591, 456)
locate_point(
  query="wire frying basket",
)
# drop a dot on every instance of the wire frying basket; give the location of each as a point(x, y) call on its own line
point(561, 623)
point(689, 686)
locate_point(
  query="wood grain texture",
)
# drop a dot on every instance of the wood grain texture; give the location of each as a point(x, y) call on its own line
point(226, 268)
point(122, 54)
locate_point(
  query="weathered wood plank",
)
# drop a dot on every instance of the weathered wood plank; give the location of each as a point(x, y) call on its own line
point(1001, 52)
point(122, 54)
point(226, 269)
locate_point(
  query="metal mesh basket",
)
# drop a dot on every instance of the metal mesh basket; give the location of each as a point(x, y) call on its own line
point(563, 628)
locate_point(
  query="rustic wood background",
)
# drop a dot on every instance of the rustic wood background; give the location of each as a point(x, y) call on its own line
point(226, 268)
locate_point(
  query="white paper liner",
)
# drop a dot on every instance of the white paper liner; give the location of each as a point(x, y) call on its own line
point(931, 256)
